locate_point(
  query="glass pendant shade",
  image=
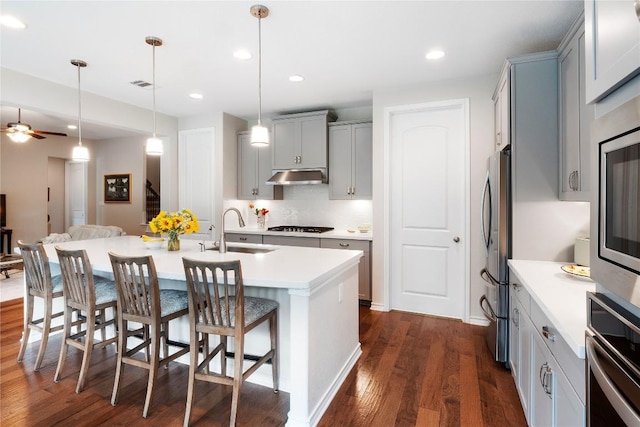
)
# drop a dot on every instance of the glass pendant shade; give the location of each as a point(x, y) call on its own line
point(259, 136)
point(19, 136)
point(154, 146)
point(80, 153)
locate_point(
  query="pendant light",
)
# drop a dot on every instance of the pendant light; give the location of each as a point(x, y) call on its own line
point(154, 144)
point(259, 133)
point(80, 153)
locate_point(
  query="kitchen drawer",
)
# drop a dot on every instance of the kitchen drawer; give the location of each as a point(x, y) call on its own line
point(309, 242)
point(572, 366)
point(522, 295)
point(357, 245)
point(243, 238)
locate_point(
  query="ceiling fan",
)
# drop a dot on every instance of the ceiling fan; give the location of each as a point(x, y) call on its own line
point(21, 132)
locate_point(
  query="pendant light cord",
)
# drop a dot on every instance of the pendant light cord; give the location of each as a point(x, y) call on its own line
point(259, 70)
point(79, 108)
point(154, 90)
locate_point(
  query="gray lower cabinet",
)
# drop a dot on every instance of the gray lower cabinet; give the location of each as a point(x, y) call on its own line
point(243, 238)
point(364, 274)
point(350, 161)
point(308, 242)
point(549, 377)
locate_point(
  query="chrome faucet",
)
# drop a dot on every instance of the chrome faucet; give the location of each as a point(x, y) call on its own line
point(223, 243)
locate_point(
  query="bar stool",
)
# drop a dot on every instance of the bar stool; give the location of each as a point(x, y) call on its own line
point(140, 300)
point(220, 308)
point(40, 284)
point(87, 294)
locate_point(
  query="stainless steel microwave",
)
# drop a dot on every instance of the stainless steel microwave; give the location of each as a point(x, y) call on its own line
point(615, 201)
point(619, 200)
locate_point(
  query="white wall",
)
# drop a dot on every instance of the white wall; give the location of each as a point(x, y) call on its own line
point(25, 177)
point(479, 91)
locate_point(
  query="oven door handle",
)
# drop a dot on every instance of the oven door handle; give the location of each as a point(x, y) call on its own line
point(491, 315)
point(623, 409)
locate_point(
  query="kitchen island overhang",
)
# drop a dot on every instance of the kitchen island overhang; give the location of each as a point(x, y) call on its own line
point(317, 290)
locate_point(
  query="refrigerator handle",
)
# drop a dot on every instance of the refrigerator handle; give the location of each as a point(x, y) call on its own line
point(491, 315)
point(487, 278)
point(486, 189)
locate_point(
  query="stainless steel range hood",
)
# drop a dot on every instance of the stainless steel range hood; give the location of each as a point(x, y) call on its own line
point(298, 177)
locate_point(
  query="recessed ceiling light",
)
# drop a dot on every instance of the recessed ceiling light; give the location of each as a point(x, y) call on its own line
point(435, 54)
point(12, 22)
point(72, 127)
point(196, 95)
point(296, 78)
point(242, 54)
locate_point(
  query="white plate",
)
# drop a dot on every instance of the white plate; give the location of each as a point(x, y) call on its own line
point(577, 270)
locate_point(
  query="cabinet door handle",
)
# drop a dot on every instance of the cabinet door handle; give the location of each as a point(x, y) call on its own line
point(243, 238)
point(546, 376)
point(516, 317)
point(547, 334)
point(637, 6)
point(344, 245)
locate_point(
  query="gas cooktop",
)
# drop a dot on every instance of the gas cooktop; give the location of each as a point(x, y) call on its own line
point(300, 229)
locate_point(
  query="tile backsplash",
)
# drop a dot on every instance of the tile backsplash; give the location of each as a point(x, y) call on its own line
point(308, 205)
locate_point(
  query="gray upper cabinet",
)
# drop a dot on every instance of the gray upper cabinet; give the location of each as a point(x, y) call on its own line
point(502, 114)
point(350, 161)
point(612, 35)
point(254, 169)
point(575, 117)
point(300, 140)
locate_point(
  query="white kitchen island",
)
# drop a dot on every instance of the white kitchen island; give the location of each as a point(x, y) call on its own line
point(318, 315)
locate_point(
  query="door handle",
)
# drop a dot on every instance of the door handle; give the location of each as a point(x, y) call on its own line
point(456, 239)
point(485, 190)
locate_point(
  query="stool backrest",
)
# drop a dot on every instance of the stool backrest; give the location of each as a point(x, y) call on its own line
point(137, 286)
point(36, 268)
point(216, 295)
point(77, 278)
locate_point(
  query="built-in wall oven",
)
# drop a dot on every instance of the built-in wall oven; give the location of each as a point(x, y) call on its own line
point(613, 364)
point(615, 205)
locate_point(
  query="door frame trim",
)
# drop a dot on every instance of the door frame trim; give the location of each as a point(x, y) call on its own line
point(389, 112)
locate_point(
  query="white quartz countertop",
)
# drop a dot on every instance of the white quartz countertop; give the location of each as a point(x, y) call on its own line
point(338, 233)
point(561, 297)
point(284, 267)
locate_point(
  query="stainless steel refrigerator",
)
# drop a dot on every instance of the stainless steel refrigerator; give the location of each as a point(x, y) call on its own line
point(496, 234)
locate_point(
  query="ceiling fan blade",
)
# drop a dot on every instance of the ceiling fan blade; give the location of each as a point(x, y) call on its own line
point(36, 136)
point(44, 132)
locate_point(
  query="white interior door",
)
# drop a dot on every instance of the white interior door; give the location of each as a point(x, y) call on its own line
point(196, 167)
point(75, 193)
point(427, 211)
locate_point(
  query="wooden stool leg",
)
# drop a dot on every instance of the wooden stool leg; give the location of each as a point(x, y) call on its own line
point(88, 351)
point(66, 331)
point(273, 332)
point(153, 368)
point(122, 347)
point(46, 329)
point(28, 318)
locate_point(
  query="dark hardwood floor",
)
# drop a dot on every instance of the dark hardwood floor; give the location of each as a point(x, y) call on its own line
point(415, 371)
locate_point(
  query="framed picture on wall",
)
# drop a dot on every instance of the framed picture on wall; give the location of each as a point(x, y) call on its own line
point(117, 188)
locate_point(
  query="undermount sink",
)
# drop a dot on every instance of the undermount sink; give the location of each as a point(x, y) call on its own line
point(244, 250)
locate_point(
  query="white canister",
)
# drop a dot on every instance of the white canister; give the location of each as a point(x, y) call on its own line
point(581, 251)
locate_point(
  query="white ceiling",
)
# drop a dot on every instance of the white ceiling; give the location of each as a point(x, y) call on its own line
point(344, 49)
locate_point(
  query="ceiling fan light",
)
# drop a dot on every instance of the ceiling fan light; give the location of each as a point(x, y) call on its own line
point(154, 146)
point(80, 153)
point(259, 136)
point(19, 136)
